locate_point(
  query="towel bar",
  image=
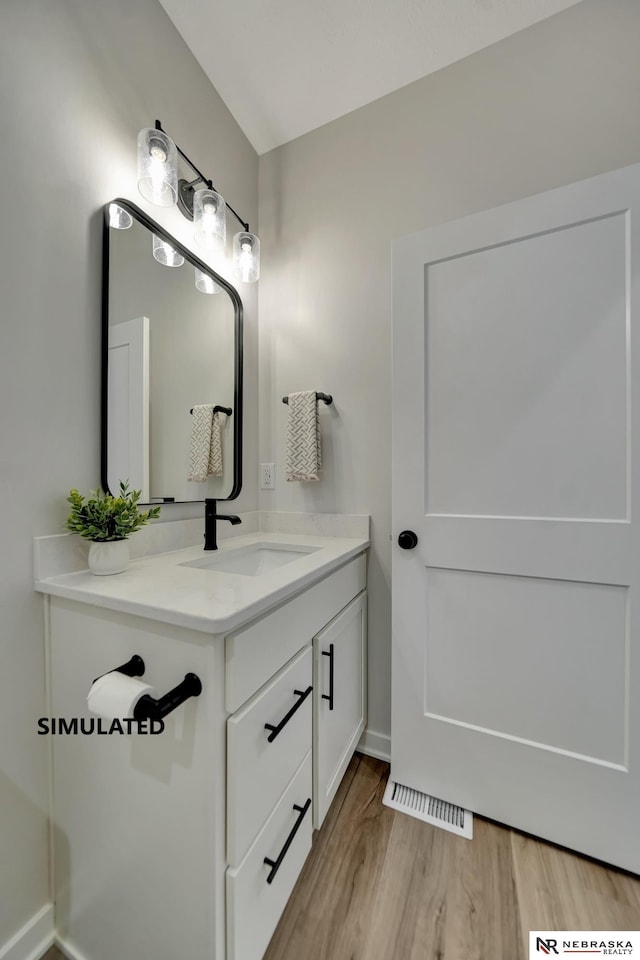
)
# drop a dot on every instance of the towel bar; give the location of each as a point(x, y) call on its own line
point(219, 409)
point(325, 397)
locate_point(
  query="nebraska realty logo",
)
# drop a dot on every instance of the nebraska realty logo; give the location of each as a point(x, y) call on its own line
point(561, 943)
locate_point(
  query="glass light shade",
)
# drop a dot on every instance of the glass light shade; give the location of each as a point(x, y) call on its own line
point(246, 257)
point(157, 167)
point(209, 219)
point(205, 283)
point(119, 219)
point(165, 254)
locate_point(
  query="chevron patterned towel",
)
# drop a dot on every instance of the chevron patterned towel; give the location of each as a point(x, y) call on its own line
point(304, 456)
point(215, 448)
point(205, 456)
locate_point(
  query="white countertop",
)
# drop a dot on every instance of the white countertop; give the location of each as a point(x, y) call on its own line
point(159, 588)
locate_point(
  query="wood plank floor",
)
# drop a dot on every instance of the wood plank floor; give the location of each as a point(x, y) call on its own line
point(379, 885)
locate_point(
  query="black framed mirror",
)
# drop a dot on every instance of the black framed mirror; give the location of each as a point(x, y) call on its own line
point(172, 340)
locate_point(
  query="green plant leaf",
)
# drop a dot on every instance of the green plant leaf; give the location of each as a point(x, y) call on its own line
point(105, 517)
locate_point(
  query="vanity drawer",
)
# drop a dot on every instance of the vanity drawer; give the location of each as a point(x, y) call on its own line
point(255, 653)
point(261, 762)
point(254, 905)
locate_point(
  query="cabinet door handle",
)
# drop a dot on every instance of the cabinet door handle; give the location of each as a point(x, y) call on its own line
point(275, 864)
point(329, 696)
point(275, 730)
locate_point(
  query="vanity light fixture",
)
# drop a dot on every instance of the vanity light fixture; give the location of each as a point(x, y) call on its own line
point(119, 219)
point(158, 182)
point(165, 254)
point(205, 283)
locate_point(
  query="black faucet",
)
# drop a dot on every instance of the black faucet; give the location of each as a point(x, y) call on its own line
point(210, 517)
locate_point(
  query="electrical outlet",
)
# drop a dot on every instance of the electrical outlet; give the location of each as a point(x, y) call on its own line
point(267, 476)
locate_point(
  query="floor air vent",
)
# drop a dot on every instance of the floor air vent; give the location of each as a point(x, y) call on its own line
point(430, 809)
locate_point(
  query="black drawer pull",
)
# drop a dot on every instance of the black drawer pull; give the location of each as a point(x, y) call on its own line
point(275, 864)
point(302, 696)
point(329, 696)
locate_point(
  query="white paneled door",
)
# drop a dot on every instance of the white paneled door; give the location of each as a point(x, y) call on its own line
point(516, 625)
point(128, 406)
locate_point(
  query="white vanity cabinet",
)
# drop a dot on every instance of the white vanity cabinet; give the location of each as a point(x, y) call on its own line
point(272, 742)
point(189, 843)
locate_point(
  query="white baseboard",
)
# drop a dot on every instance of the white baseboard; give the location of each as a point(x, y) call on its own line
point(376, 745)
point(33, 939)
point(69, 951)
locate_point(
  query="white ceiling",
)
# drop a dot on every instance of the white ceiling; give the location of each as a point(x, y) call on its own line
point(284, 67)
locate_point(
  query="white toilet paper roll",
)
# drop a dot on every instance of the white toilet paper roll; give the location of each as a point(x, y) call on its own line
point(115, 695)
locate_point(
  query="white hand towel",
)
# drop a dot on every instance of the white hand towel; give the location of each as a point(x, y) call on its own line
point(304, 454)
point(205, 457)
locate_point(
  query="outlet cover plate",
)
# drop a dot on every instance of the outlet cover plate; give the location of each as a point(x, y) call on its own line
point(267, 476)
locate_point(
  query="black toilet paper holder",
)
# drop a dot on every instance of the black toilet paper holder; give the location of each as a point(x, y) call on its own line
point(134, 667)
point(148, 708)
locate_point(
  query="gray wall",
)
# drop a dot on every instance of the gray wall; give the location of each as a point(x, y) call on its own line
point(553, 104)
point(78, 79)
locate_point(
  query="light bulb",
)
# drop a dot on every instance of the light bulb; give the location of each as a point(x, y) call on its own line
point(157, 168)
point(245, 262)
point(157, 151)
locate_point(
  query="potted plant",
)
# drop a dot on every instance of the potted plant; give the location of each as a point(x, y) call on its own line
point(108, 521)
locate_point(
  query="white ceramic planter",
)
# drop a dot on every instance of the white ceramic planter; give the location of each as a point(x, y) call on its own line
point(108, 557)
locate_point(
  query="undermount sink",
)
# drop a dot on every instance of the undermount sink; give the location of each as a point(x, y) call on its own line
point(252, 560)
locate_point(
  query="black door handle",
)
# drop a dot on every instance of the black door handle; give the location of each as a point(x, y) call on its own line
point(275, 730)
point(407, 540)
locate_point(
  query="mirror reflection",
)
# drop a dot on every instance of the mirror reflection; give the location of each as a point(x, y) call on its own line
point(172, 366)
